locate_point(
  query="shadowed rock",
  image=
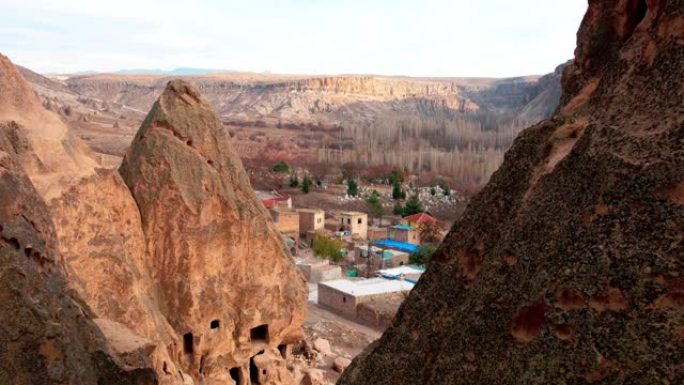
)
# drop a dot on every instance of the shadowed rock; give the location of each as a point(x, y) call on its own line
point(567, 267)
point(48, 334)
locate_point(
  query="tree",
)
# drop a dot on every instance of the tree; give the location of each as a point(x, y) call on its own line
point(306, 184)
point(375, 209)
point(430, 232)
point(281, 167)
point(398, 192)
point(395, 177)
point(413, 206)
point(398, 209)
point(446, 190)
point(327, 247)
point(433, 192)
point(424, 254)
point(294, 180)
point(352, 188)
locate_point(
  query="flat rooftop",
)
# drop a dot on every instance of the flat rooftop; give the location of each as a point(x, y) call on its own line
point(405, 269)
point(311, 211)
point(352, 213)
point(371, 286)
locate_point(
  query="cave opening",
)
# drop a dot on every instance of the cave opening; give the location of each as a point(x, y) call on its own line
point(188, 343)
point(283, 350)
point(236, 375)
point(215, 324)
point(259, 333)
point(253, 371)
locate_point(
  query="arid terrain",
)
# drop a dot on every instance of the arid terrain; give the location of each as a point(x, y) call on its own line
point(456, 129)
point(264, 229)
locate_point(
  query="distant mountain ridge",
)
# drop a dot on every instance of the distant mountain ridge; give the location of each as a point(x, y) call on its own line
point(176, 71)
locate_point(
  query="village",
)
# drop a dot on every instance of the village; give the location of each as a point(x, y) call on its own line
point(361, 263)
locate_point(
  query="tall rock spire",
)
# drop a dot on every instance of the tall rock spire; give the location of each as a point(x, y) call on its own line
point(224, 278)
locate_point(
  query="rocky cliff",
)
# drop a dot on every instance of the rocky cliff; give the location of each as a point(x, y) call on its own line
point(49, 334)
point(567, 267)
point(226, 283)
point(334, 100)
point(194, 287)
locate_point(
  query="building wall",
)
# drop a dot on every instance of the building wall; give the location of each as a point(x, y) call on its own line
point(287, 222)
point(376, 234)
point(351, 223)
point(410, 236)
point(311, 221)
point(327, 273)
point(337, 300)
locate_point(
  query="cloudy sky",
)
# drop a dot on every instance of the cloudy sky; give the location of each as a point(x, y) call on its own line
point(390, 37)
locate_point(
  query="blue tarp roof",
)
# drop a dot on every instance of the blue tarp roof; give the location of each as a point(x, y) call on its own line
point(397, 245)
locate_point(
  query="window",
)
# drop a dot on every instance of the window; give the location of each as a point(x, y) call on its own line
point(349, 221)
point(215, 324)
point(318, 220)
point(360, 221)
point(344, 299)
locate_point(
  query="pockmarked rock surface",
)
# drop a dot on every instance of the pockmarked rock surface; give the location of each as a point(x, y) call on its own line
point(49, 335)
point(567, 267)
point(224, 279)
point(177, 275)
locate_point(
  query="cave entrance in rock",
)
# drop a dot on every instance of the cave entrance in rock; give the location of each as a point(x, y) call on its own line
point(259, 333)
point(215, 324)
point(236, 375)
point(283, 350)
point(254, 371)
point(188, 345)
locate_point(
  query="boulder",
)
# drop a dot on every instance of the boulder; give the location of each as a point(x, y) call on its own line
point(322, 346)
point(340, 364)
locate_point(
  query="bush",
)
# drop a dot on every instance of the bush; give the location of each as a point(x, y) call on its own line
point(294, 181)
point(397, 191)
point(424, 254)
point(306, 184)
point(326, 247)
point(352, 188)
point(281, 167)
point(413, 206)
point(375, 209)
point(398, 210)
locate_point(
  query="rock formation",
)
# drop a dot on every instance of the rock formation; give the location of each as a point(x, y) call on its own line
point(49, 334)
point(224, 279)
point(567, 267)
point(186, 283)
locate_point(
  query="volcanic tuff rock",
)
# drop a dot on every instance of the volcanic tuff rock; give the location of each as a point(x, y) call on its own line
point(48, 332)
point(225, 280)
point(568, 267)
point(224, 291)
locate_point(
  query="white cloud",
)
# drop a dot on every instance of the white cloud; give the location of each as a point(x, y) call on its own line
point(430, 37)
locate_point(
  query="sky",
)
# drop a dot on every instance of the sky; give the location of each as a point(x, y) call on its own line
point(457, 38)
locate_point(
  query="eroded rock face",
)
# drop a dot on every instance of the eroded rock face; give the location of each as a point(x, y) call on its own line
point(567, 267)
point(224, 279)
point(206, 262)
point(48, 334)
